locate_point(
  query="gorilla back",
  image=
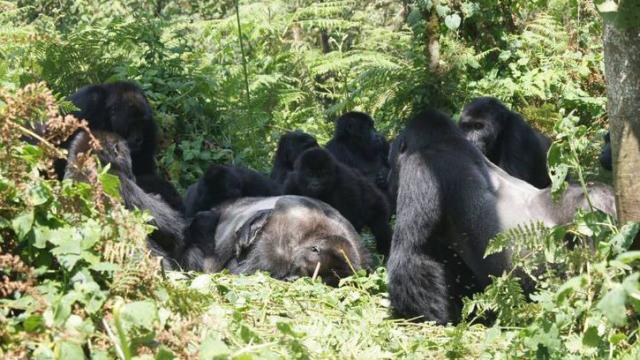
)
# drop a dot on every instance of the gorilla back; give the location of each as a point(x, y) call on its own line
point(287, 236)
point(451, 202)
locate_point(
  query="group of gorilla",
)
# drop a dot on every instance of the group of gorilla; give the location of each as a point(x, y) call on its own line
point(452, 188)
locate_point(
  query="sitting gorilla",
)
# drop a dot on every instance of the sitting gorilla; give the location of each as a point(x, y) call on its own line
point(507, 140)
point(606, 161)
point(122, 108)
point(221, 183)
point(451, 201)
point(290, 146)
point(168, 240)
point(318, 175)
point(357, 145)
point(287, 236)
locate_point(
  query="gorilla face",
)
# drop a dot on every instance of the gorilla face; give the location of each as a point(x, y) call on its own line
point(356, 126)
point(326, 257)
point(480, 123)
point(315, 171)
point(130, 115)
point(297, 143)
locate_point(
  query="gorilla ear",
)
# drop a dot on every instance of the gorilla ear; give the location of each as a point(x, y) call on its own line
point(246, 235)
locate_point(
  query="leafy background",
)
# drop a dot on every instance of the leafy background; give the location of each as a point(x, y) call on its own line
point(224, 85)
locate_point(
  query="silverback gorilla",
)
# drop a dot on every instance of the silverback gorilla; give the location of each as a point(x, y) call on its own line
point(507, 140)
point(286, 236)
point(356, 144)
point(122, 108)
point(290, 146)
point(168, 240)
point(451, 202)
point(318, 175)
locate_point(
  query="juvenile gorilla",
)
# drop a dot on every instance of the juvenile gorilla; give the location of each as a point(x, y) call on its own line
point(122, 108)
point(168, 240)
point(507, 140)
point(357, 145)
point(318, 175)
point(451, 202)
point(221, 183)
point(290, 146)
point(287, 236)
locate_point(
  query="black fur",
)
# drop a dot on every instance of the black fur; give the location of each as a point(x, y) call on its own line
point(507, 140)
point(287, 236)
point(168, 240)
point(357, 145)
point(290, 146)
point(154, 184)
point(223, 182)
point(606, 161)
point(318, 175)
point(451, 201)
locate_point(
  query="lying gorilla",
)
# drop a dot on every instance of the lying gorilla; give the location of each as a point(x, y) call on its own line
point(221, 183)
point(168, 240)
point(287, 236)
point(451, 201)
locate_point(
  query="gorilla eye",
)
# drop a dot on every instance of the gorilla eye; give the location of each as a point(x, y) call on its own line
point(315, 249)
point(477, 125)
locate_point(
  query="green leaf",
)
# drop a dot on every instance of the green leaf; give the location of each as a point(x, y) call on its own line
point(623, 240)
point(23, 223)
point(110, 184)
point(39, 194)
point(612, 305)
point(453, 21)
point(34, 323)
point(68, 350)
point(164, 353)
point(591, 337)
point(139, 314)
point(212, 348)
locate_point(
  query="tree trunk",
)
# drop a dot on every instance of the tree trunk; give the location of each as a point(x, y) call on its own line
point(622, 72)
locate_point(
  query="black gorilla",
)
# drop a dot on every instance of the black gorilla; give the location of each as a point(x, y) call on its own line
point(287, 236)
point(290, 146)
point(606, 161)
point(168, 240)
point(122, 108)
point(223, 182)
point(507, 140)
point(451, 201)
point(318, 175)
point(356, 144)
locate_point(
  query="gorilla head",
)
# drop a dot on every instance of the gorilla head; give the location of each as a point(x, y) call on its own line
point(355, 127)
point(606, 160)
point(121, 107)
point(290, 146)
point(113, 150)
point(315, 172)
point(481, 121)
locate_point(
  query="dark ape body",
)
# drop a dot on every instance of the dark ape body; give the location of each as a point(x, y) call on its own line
point(507, 140)
point(356, 144)
point(122, 108)
point(223, 182)
point(606, 160)
point(290, 146)
point(168, 240)
point(287, 236)
point(451, 201)
point(318, 175)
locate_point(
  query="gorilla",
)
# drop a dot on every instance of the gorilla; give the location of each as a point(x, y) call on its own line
point(290, 146)
point(451, 201)
point(507, 140)
point(318, 175)
point(605, 158)
point(287, 236)
point(356, 144)
point(223, 182)
point(122, 108)
point(167, 240)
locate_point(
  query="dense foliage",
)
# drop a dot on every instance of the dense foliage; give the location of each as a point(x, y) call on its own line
point(76, 280)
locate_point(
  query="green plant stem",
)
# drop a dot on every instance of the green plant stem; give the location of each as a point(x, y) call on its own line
point(244, 58)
